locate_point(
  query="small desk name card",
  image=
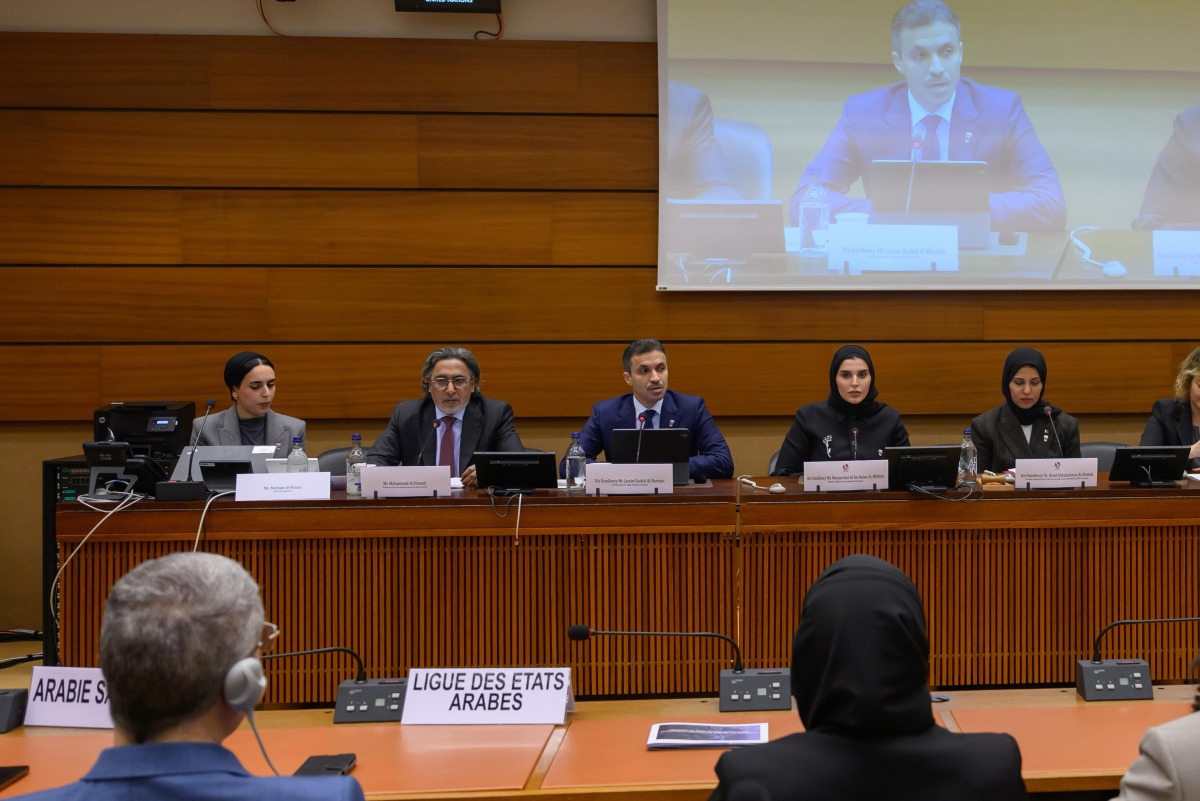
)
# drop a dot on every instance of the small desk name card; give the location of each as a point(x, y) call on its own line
point(282, 487)
point(854, 249)
point(405, 482)
point(867, 474)
point(629, 479)
point(64, 696)
point(1176, 253)
point(440, 696)
point(1055, 473)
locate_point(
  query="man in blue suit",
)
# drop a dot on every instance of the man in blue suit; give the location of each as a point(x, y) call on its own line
point(934, 115)
point(179, 646)
point(652, 405)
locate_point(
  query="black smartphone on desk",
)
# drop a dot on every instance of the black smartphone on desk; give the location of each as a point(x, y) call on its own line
point(12, 773)
point(327, 765)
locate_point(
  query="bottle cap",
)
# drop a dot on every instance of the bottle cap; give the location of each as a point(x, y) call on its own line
point(574, 435)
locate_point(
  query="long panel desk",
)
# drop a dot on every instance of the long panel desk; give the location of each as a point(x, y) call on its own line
point(1066, 745)
point(1016, 585)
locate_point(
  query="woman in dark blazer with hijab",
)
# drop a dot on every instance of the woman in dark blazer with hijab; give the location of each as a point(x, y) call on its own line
point(250, 378)
point(860, 677)
point(1176, 421)
point(1025, 426)
point(849, 424)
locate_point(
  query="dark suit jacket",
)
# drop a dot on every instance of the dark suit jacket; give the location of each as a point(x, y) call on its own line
point(710, 453)
point(1172, 198)
point(222, 429)
point(1170, 423)
point(487, 426)
point(1000, 441)
point(934, 765)
point(987, 124)
point(695, 166)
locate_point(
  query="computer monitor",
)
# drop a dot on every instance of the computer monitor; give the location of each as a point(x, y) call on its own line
point(158, 429)
point(927, 467)
point(516, 472)
point(1150, 465)
point(671, 446)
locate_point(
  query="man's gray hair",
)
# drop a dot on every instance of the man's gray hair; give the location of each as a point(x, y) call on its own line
point(172, 629)
point(462, 354)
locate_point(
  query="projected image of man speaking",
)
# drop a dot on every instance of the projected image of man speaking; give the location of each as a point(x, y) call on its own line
point(934, 114)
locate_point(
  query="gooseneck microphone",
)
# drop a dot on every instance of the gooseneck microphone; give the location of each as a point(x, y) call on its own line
point(637, 457)
point(918, 142)
point(428, 440)
point(854, 443)
point(1048, 410)
point(580, 633)
point(1118, 679)
point(1115, 623)
point(362, 669)
point(208, 407)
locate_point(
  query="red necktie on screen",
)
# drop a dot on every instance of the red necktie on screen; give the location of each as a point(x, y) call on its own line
point(446, 448)
point(932, 150)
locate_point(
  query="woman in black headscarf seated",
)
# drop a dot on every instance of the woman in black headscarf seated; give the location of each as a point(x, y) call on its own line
point(860, 669)
point(250, 378)
point(849, 424)
point(1025, 426)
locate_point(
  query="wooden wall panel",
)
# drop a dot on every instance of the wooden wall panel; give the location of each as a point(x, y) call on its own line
point(301, 74)
point(363, 381)
point(371, 150)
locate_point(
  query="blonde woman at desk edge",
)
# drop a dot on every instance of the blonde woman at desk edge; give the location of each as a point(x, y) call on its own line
point(250, 378)
point(1176, 421)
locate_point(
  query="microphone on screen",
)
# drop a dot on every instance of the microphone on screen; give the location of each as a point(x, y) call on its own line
point(918, 142)
point(428, 440)
point(637, 457)
point(741, 689)
point(1048, 410)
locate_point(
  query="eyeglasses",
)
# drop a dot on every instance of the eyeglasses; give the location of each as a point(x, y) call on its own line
point(269, 632)
point(441, 382)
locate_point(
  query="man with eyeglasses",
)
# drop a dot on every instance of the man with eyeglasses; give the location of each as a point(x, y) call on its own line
point(179, 647)
point(450, 423)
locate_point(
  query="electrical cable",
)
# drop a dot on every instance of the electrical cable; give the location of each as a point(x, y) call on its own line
point(498, 34)
point(129, 500)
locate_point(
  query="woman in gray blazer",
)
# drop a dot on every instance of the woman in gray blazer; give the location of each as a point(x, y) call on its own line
point(250, 378)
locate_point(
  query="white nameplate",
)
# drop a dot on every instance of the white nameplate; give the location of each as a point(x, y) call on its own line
point(488, 695)
point(840, 476)
point(282, 487)
point(63, 696)
point(405, 481)
point(1176, 253)
point(603, 478)
point(893, 248)
point(1052, 473)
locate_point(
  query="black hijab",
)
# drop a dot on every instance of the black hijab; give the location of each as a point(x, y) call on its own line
point(860, 659)
point(868, 405)
point(1022, 357)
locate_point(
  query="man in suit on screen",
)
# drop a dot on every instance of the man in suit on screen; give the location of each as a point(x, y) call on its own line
point(936, 115)
point(652, 405)
point(450, 423)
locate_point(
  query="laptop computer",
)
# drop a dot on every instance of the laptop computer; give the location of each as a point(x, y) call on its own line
point(218, 453)
point(722, 230)
point(942, 193)
point(671, 446)
point(515, 472)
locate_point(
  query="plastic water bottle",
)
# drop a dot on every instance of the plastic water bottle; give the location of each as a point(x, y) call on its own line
point(814, 217)
point(968, 462)
point(354, 462)
point(297, 461)
point(576, 465)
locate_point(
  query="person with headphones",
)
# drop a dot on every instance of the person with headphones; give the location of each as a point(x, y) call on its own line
point(450, 423)
point(179, 646)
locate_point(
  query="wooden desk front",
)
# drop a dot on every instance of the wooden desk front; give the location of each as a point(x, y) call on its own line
point(1016, 585)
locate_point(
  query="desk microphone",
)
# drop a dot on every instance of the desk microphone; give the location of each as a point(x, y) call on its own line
point(189, 490)
point(754, 690)
point(774, 489)
point(637, 457)
point(1117, 679)
point(918, 143)
point(428, 440)
point(854, 443)
point(1048, 410)
point(360, 700)
point(1111, 269)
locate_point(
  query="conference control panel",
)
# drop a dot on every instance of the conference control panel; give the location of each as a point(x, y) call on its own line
point(1113, 680)
point(757, 690)
point(370, 701)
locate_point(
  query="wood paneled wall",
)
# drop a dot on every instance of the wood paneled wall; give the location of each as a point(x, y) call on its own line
point(345, 205)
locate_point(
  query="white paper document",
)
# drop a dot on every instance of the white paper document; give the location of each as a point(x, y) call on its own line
point(705, 735)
